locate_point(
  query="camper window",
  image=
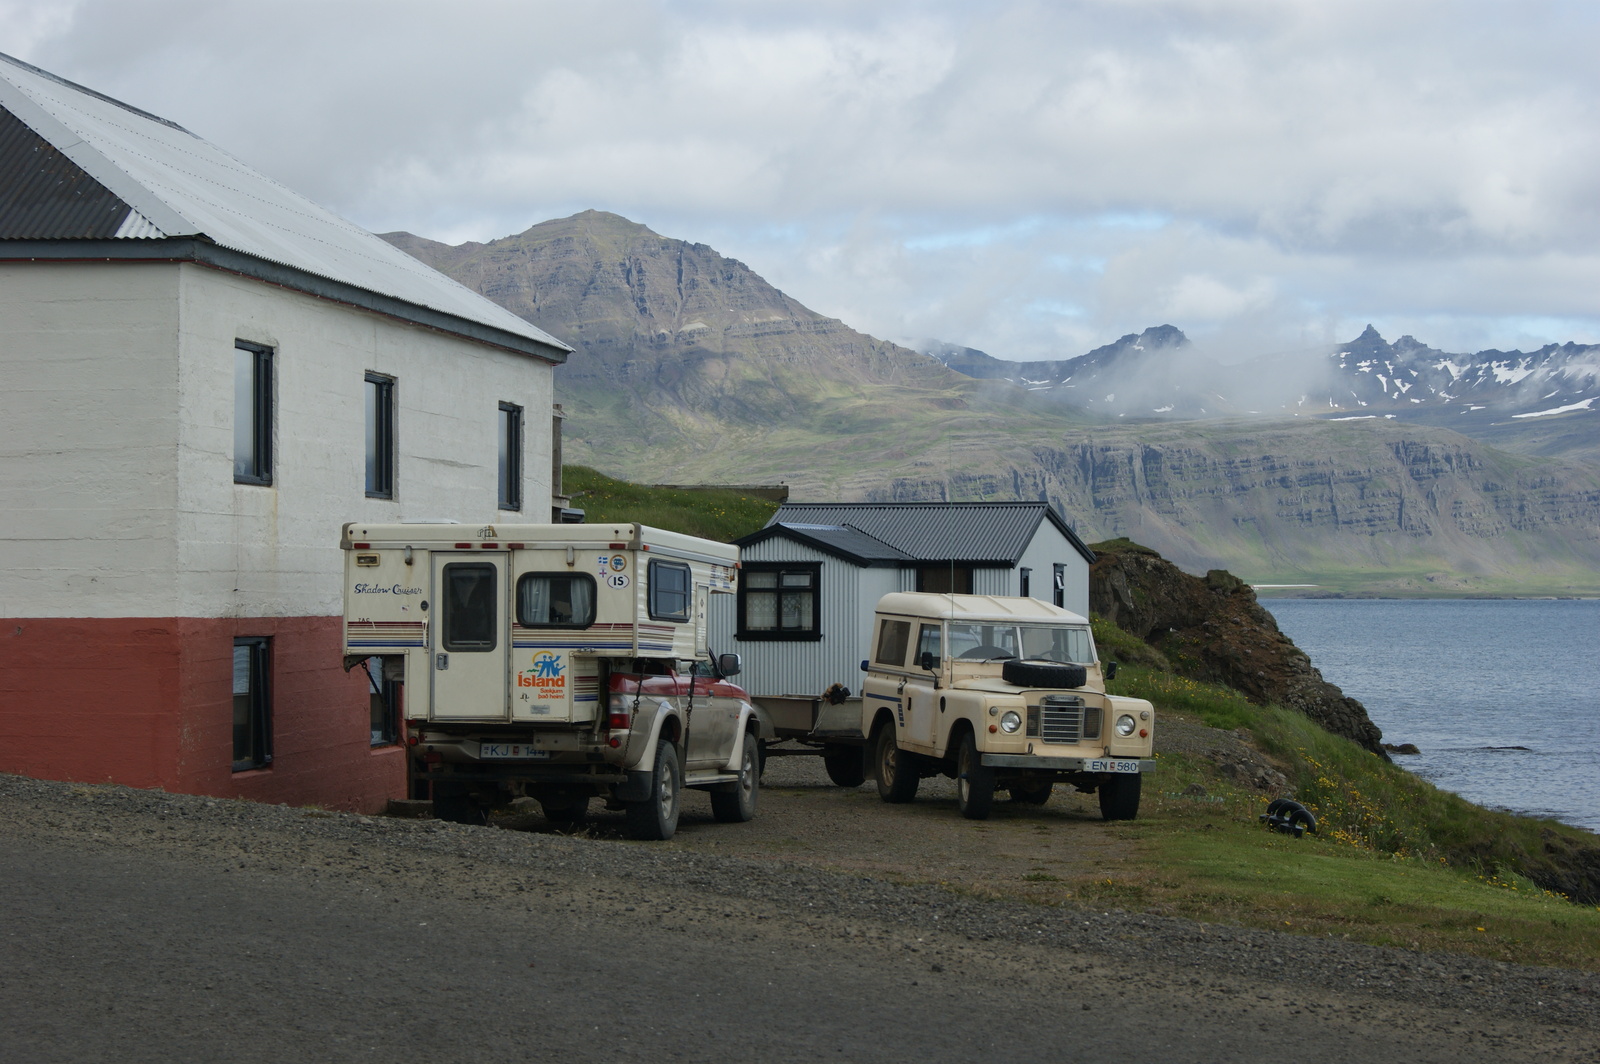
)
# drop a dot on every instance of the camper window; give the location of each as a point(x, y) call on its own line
point(469, 607)
point(669, 591)
point(555, 600)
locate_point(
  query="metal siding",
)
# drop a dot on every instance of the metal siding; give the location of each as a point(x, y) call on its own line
point(46, 196)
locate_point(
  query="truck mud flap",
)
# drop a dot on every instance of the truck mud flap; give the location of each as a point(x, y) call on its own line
point(635, 788)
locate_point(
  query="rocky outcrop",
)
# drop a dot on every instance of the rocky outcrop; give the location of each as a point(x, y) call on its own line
point(1213, 629)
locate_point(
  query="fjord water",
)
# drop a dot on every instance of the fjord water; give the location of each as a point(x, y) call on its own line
point(1502, 696)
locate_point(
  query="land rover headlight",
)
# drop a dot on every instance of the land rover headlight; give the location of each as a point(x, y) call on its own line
point(1010, 722)
point(1125, 725)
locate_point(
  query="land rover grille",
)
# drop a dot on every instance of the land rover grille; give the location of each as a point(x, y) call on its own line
point(1063, 719)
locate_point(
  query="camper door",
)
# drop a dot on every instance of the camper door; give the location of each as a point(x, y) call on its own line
point(471, 636)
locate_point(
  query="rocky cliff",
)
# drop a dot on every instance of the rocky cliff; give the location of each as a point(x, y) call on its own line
point(1212, 629)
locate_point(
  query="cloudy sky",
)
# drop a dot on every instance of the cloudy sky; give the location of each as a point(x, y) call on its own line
point(1032, 179)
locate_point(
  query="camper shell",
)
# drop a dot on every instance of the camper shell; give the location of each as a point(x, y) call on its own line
point(558, 662)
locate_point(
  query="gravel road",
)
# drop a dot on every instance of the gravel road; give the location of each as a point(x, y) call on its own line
point(337, 936)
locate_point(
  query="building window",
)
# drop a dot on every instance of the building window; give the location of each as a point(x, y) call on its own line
point(1061, 586)
point(380, 436)
point(384, 697)
point(252, 705)
point(555, 600)
point(945, 579)
point(779, 601)
point(1026, 582)
point(510, 456)
point(252, 413)
point(669, 591)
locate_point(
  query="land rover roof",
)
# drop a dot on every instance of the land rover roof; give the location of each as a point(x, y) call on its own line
point(976, 608)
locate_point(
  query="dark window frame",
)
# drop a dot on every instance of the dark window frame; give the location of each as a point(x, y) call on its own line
point(657, 609)
point(449, 610)
point(1061, 585)
point(937, 578)
point(378, 391)
point(259, 470)
point(252, 747)
point(575, 623)
point(508, 429)
point(1025, 582)
point(811, 633)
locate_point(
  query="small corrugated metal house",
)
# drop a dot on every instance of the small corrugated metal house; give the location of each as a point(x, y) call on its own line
point(203, 374)
point(811, 578)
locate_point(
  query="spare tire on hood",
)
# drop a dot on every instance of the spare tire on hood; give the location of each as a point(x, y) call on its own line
point(1043, 674)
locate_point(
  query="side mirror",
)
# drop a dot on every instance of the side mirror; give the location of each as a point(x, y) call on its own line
point(928, 662)
point(1111, 670)
point(729, 664)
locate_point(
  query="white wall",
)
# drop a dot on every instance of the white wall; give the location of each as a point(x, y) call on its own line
point(88, 430)
point(116, 440)
point(1047, 548)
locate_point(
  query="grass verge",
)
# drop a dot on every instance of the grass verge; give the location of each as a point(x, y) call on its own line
point(712, 513)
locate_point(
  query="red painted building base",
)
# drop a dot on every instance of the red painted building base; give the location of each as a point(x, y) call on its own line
point(148, 702)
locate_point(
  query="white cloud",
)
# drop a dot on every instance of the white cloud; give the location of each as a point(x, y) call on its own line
point(1031, 178)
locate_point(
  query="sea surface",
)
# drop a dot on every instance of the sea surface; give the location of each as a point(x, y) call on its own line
point(1502, 696)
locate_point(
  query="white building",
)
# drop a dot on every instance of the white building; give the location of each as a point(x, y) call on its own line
point(810, 580)
point(202, 376)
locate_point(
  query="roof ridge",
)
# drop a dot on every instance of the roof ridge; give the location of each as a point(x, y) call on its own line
point(59, 80)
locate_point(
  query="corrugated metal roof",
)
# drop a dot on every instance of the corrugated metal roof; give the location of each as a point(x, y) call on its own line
point(977, 532)
point(179, 185)
point(850, 543)
point(45, 195)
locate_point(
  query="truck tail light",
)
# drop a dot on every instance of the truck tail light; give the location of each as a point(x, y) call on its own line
point(618, 720)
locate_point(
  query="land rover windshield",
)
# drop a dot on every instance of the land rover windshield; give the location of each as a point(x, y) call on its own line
point(1069, 644)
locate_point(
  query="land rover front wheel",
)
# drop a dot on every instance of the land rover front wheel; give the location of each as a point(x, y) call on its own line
point(1119, 797)
point(974, 781)
point(656, 818)
point(897, 777)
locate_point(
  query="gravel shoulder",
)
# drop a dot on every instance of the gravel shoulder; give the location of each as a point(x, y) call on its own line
point(822, 868)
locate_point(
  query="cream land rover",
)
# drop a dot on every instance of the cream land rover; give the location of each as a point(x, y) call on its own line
point(998, 694)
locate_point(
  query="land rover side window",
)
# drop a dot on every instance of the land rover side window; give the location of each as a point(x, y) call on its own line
point(555, 600)
point(468, 613)
point(1070, 645)
point(928, 642)
point(893, 638)
point(779, 602)
point(669, 591)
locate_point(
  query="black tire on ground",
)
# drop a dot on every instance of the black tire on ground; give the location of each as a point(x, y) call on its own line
point(737, 804)
point(974, 782)
point(454, 803)
point(1119, 797)
point(1033, 793)
point(897, 775)
point(565, 812)
point(846, 765)
point(656, 818)
point(1035, 673)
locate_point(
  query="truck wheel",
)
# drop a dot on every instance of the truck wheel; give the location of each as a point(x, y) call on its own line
point(1034, 793)
point(1043, 674)
point(1119, 797)
point(737, 804)
point(846, 765)
point(565, 813)
point(656, 818)
point(453, 803)
point(974, 781)
point(897, 776)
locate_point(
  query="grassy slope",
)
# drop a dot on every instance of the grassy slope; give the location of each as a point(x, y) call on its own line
point(1396, 861)
point(718, 514)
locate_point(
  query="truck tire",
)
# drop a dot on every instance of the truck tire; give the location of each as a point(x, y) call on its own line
point(454, 804)
point(974, 780)
point(1043, 674)
point(1033, 793)
point(1119, 797)
point(846, 765)
point(737, 804)
point(656, 818)
point(897, 776)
